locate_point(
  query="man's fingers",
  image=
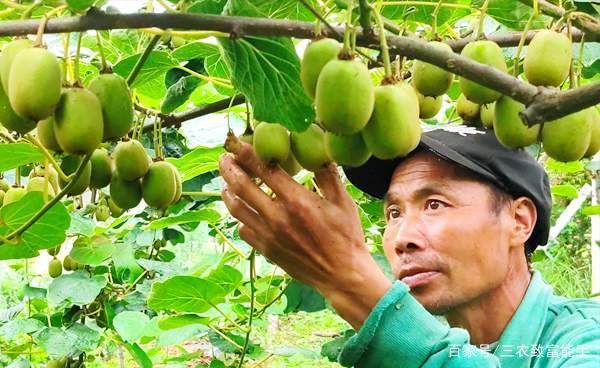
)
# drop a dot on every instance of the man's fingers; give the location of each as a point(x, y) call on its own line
point(240, 210)
point(243, 187)
point(276, 178)
point(251, 236)
point(330, 183)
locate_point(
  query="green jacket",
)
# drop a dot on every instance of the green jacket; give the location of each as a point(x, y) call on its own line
point(547, 331)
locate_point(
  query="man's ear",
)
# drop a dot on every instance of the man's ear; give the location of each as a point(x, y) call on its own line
point(524, 215)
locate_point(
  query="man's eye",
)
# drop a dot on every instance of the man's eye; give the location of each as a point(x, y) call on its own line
point(393, 213)
point(434, 204)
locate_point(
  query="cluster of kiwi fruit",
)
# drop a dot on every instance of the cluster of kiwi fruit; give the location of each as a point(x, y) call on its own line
point(546, 63)
point(74, 121)
point(355, 119)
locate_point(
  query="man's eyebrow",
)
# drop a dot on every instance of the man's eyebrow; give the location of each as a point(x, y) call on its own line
point(420, 193)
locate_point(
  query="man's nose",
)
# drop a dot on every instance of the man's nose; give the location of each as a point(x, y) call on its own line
point(407, 236)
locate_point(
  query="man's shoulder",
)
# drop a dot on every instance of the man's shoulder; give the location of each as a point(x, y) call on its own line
point(573, 320)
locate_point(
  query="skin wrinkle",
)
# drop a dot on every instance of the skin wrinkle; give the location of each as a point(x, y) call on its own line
point(483, 272)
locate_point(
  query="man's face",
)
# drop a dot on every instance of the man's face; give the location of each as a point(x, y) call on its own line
point(440, 222)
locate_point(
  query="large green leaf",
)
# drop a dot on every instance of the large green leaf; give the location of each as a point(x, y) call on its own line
point(267, 71)
point(150, 80)
point(512, 14)
point(139, 355)
point(422, 14)
point(12, 329)
point(565, 190)
point(185, 294)
point(197, 162)
point(126, 266)
point(211, 216)
point(56, 342)
point(205, 6)
point(130, 325)
point(87, 339)
point(49, 231)
point(227, 277)
point(78, 287)
point(92, 251)
point(175, 322)
point(18, 154)
point(272, 9)
point(195, 50)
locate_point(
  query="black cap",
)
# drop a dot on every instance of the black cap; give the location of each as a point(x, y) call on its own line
point(477, 150)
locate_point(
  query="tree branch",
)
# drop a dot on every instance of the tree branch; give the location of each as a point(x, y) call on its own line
point(590, 26)
point(240, 26)
point(175, 120)
point(140, 62)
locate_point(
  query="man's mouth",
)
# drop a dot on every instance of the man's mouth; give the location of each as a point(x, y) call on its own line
point(414, 277)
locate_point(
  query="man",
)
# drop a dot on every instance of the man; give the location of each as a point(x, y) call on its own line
point(463, 214)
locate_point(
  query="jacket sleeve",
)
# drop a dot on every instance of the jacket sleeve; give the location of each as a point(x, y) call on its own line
point(399, 332)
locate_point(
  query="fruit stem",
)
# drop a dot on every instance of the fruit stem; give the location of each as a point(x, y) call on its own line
point(29, 10)
point(213, 80)
point(105, 67)
point(482, 13)
point(67, 64)
point(580, 64)
point(18, 176)
point(46, 178)
point(226, 240)
point(140, 62)
point(48, 156)
point(517, 58)
point(77, 79)
point(201, 194)
point(435, 15)
point(197, 35)
point(52, 202)
point(39, 40)
point(346, 48)
point(572, 78)
point(252, 301)
point(385, 52)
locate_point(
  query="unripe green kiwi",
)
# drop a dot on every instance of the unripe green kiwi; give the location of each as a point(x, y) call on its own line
point(431, 80)
point(101, 168)
point(55, 268)
point(485, 52)
point(9, 52)
point(45, 132)
point(125, 194)
point(159, 185)
point(131, 160)
point(347, 150)
point(14, 194)
point(39, 184)
point(316, 55)
point(117, 107)
point(271, 143)
point(69, 165)
point(309, 148)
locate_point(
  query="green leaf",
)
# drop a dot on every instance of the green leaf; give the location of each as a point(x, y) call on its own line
point(185, 294)
point(86, 339)
point(20, 362)
point(178, 335)
point(272, 9)
point(130, 325)
point(150, 80)
point(565, 190)
point(197, 162)
point(57, 342)
point(179, 93)
point(126, 267)
point(217, 67)
point(332, 349)
point(81, 225)
point(14, 328)
point(422, 14)
point(194, 50)
point(228, 277)
point(226, 346)
point(512, 14)
point(208, 215)
point(48, 232)
point(92, 251)
point(175, 322)
point(78, 287)
point(591, 210)
point(139, 355)
point(301, 297)
point(206, 6)
point(80, 4)
point(18, 154)
point(267, 72)
point(565, 167)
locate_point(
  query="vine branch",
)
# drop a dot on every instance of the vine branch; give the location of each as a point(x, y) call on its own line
point(538, 109)
point(140, 62)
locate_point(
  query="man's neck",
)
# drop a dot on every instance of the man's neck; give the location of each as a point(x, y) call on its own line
point(487, 317)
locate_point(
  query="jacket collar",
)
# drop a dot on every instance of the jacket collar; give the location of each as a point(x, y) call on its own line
point(524, 329)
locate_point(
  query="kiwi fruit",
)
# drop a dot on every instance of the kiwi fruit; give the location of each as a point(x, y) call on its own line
point(309, 148)
point(38, 184)
point(316, 55)
point(345, 97)
point(34, 83)
point(486, 115)
point(45, 132)
point(271, 143)
point(117, 106)
point(394, 129)
point(429, 79)
point(508, 127)
point(55, 268)
point(548, 58)
point(484, 52)
point(467, 110)
point(131, 160)
point(101, 169)
point(429, 106)
point(159, 185)
point(9, 118)
point(14, 194)
point(568, 138)
point(69, 165)
point(9, 52)
point(78, 125)
point(347, 150)
point(125, 194)
point(595, 139)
